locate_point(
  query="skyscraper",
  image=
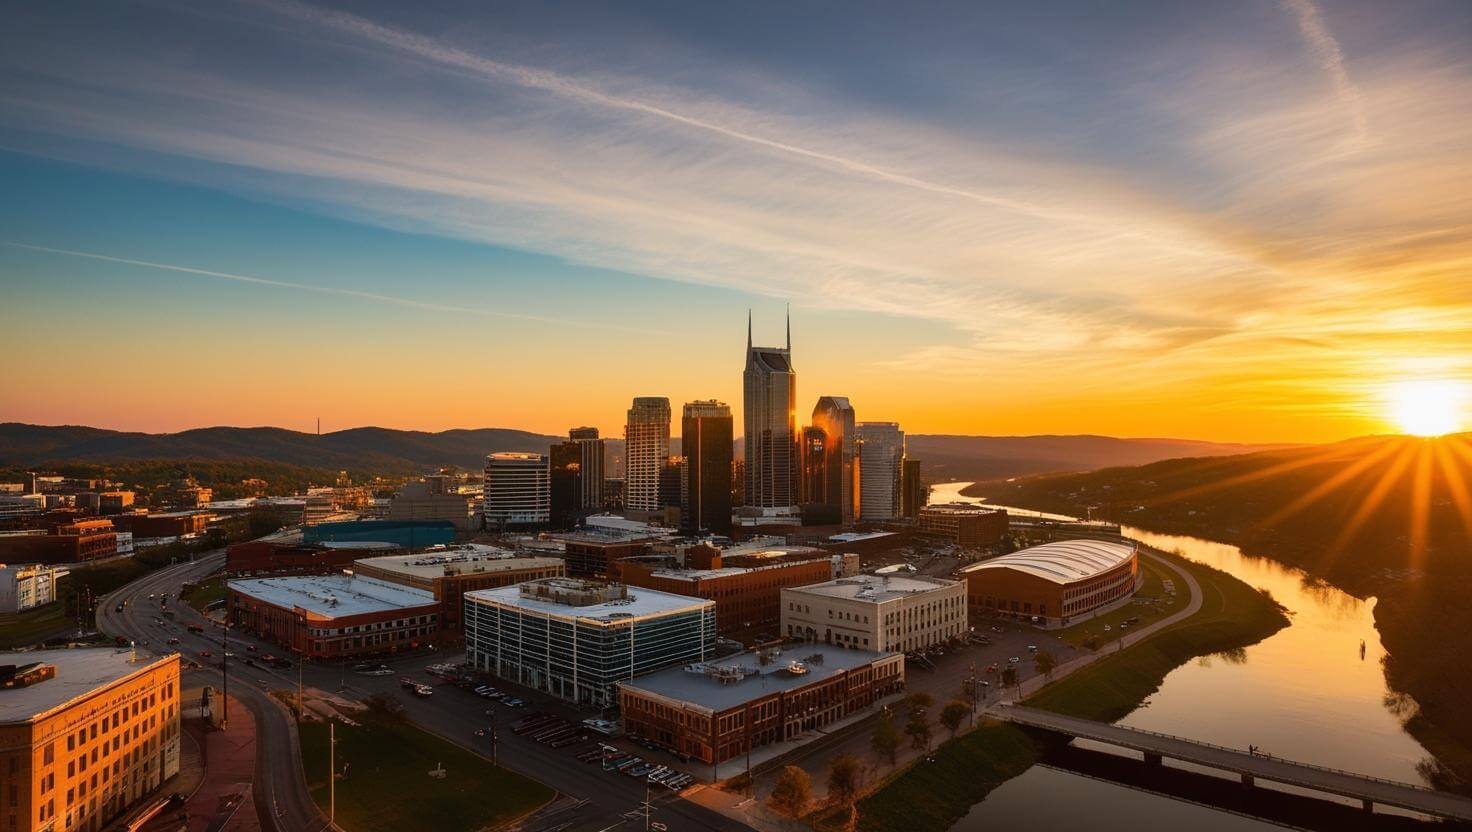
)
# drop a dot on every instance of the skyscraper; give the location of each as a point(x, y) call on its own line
point(915, 494)
point(706, 436)
point(771, 427)
point(591, 467)
point(566, 487)
point(517, 490)
point(881, 453)
point(835, 416)
point(646, 449)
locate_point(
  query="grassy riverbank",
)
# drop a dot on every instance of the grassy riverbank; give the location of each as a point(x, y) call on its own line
point(932, 796)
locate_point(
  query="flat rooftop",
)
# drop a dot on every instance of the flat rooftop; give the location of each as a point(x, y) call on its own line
point(1062, 562)
point(79, 671)
point(333, 596)
point(637, 603)
point(858, 537)
point(356, 545)
point(436, 563)
point(697, 574)
point(875, 588)
point(962, 509)
point(726, 683)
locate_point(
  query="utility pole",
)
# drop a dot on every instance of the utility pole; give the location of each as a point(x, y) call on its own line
point(332, 773)
point(494, 740)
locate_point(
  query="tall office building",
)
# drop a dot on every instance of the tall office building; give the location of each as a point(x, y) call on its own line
point(881, 454)
point(591, 467)
point(565, 478)
point(706, 436)
point(835, 416)
point(817, 507)
point(672, 484)
point(771, 427)
point(914, 493)
point(517, 490)
point(646, 449)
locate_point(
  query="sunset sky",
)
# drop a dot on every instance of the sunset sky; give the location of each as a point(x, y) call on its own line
point(1231, 221)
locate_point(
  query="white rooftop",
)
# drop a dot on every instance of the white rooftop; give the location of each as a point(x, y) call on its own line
point(725, 683)
point(1063, 561)
point(333, 596)
point(855, 537)
point(875, 588)
point(79, 671)
point(436, 561)
point(639, 603)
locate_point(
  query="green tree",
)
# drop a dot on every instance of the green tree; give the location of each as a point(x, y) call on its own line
point(1009, 677)
point(792, 793)
point(918, 729)
point(844, 774)
point(953, 714)
point(919, 701)
point(1045, 662)
point(886, 740)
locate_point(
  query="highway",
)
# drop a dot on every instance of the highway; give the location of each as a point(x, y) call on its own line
point(280, 791)
point(591, 800)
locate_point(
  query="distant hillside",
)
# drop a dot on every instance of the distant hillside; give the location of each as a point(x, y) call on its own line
point(369, 450)
point(1384, 516)
point(946, 457)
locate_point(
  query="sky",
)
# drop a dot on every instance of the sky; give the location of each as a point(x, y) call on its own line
point(1236, 221)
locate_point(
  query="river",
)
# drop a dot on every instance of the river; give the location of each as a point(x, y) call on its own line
point(1303, 693)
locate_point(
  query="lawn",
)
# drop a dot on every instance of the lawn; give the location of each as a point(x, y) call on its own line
point(203, 594)
point(37, 625)
point(386, 786)
point(1151, 603)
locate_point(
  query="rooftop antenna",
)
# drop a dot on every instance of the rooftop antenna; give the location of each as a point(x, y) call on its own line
point(748, 329)
point(789, 327)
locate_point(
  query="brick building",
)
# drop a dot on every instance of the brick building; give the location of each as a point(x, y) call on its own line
point(74, 541)
point(86, 734)
point(1054, 584)
point(448, 572)
point(748, 598)
point(164, 524)
point(591, 554)
point(965, 524)
point(718, 710)
point(334, 616)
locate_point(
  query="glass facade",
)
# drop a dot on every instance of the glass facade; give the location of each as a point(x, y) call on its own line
point(581, 659)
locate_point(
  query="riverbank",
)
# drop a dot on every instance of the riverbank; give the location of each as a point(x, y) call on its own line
point(931, 795)
point(1429, 675)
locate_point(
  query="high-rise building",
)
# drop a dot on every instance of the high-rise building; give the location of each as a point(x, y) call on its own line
point(646, 449)
point(672, 484)
point(914, 494)
point(835, 416)
point(881, 452)
point(819, 507)
point(770, 385)
point(706, 430)
point(517, 490)
point(592, 467)
point(565, 482)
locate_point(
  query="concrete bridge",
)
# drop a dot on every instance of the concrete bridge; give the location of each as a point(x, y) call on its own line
point(1250, 767)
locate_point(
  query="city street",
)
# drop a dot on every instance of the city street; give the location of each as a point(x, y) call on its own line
point(594, 799)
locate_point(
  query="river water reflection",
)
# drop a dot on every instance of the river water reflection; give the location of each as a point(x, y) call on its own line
point(1304, 693)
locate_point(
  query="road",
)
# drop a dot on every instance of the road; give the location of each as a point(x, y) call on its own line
point(281, 794)
point(592, 800)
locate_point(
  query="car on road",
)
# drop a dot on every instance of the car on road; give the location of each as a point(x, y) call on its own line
point(513, 702)
point(250, 648)
point(195, 628)
point(174, 640)
point(605, 727)
point(205, 654)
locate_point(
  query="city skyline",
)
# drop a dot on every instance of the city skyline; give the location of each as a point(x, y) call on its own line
point(1239, 223)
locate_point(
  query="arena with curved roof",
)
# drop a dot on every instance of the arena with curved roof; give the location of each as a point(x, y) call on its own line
point(1055, 584)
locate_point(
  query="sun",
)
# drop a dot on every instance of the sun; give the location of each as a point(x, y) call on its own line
point(1427, 407)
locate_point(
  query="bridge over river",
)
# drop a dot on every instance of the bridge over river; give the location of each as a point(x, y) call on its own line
point(1250, 766)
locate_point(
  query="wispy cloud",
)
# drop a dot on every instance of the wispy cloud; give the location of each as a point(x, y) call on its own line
point(408, 303)
point(1331, 58)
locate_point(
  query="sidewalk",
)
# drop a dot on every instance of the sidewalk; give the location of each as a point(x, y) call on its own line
point(225, 765)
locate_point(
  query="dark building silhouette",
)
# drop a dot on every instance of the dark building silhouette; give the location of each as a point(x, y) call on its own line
point(566, 482)
point(913, 493)
point(706, 436)
point(592, 468)
point(835, 416)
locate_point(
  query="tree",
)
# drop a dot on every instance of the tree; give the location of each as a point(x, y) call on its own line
point(918, 729)
point(1009, 677)
point(919, 701)
point(953, 714)
point(792, 794)
point(886, 740)
point(1045, 662)
point(844, 773)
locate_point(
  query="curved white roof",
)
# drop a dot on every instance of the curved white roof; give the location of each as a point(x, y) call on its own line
point(1062, 562)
